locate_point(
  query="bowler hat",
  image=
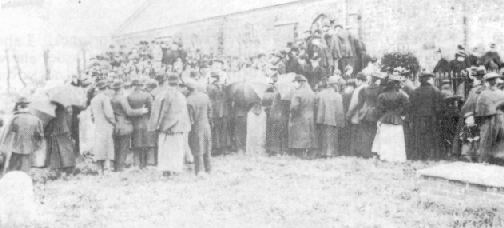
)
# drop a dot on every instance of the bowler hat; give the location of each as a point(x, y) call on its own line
point(173, 78)
point(22, 100)
point(491, 75)
point(136, 82)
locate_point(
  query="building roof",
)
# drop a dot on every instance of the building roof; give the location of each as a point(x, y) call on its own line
point(158, 14)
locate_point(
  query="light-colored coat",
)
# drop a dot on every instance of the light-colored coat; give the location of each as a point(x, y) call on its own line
point(104, 120)
point(330, 110)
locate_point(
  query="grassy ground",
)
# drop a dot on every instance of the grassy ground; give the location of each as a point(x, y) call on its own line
point(267, 192)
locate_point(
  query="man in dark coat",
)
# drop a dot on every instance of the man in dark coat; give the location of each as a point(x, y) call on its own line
point(220, 116)
point(442, 66)
point(200, 137)
point(424, 113)
point(277, 118)
point(302, 132)
point(491, 59)
point(315, 72)
point(24, 136)
point(123, 128)
point(141, 139)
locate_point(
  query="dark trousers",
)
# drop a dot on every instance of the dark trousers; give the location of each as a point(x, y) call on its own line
point(20, 162)
point(202, 160)
point(121, 149)
point(140, 157)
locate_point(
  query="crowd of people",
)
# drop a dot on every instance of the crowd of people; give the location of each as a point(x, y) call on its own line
point(156, 104)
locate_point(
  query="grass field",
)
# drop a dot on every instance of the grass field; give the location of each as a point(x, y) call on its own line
point(269, 192)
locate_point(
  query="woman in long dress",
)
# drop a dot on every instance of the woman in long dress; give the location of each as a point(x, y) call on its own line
point(389, 142)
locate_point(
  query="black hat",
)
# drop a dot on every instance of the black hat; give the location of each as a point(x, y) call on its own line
point(136, 82)
point(22, 100)
point(426, 75)
point(173, 78)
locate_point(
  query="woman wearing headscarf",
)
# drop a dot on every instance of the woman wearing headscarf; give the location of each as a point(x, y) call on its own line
point(389, 142)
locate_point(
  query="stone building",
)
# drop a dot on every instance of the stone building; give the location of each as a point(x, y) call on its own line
point(244, 28)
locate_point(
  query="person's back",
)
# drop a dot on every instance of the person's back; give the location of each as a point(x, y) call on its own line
point(26, 129)
point(199, 104)
point(330, 108)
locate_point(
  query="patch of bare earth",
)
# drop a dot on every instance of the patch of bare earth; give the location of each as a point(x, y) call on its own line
point(270, 192)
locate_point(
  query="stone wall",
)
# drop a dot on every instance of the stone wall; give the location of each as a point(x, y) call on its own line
point(418, 26)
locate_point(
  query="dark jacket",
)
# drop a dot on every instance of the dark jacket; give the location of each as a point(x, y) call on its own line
point(25, 133)
point(391, 106)
point(426, 101)
point(140, 136)
point(200, 111)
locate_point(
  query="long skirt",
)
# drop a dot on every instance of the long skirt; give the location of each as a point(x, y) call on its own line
point(389, 143)
point(171, 152)
point(328, 140)
point(425, 139)
point(362, 139)
point(448, 131)
point(20, 162)
point(491, 137)
point(61, 151)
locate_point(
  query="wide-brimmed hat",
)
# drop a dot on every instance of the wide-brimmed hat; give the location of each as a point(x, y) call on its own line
point(214, 75)
point(299, 77)
point(393, 78)
point(136, 82)
point(102, 84)
point(116, 84)
point(333, 80)
point(380, 75)
point(491, 75)
point(22, 100)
